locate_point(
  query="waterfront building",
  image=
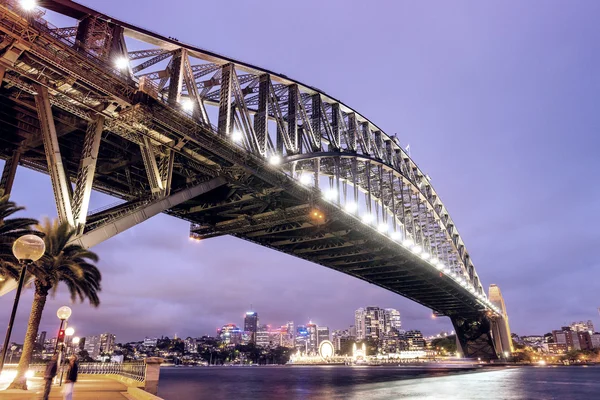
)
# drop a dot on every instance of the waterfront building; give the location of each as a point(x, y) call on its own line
point(312, 343)
point(585, 340)
point(369, 322)
point(415, 340)
point(567, 337)
point(301, 338)
point(359, 323)
point(97, 345)
point(230, 334)
point(339, 338)
point(322, 334)
point(555, 348)
point(251, 324)
point(352, 331)
point(391, 320)
point(287, 337)
point(595, 339)
point(190, 345)
point(582, 326)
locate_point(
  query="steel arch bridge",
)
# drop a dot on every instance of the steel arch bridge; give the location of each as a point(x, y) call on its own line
point(233, 149)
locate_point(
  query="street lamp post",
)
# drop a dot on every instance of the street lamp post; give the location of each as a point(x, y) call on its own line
point(27, 249)
point(63, 314)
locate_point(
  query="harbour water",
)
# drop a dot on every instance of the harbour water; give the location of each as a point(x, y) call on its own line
point(378, 383)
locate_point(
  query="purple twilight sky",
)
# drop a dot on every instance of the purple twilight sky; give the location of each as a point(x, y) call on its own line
point(499, 102)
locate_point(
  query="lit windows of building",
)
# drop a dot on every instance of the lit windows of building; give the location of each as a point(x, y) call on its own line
point(230, 334)
point(251, 324)
point(322, 334)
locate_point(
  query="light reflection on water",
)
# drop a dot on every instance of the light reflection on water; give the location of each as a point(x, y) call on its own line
point(378, 383)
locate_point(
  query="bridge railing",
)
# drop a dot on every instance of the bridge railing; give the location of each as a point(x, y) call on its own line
point(135, 370)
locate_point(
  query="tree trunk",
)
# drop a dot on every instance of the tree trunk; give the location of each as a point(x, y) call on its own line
point(39, 301)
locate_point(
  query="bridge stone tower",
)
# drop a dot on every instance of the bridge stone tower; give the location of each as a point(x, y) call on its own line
point(500, 326)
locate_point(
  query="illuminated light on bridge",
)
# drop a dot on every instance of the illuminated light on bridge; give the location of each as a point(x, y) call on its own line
point(237, 136)
point(396, 236)
point(122, 63)
point(252, 172)
point(351, 207)
point(305, 179)
point(330, 194)
point(187, 105)
point(382, 228)
point(367, 218)
point(28, 5)
point(275, 159)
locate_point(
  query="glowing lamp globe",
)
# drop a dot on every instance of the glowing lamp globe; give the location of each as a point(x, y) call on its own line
point(28, 247)
point(76, 340)
point(63, 313)
point(69, 331)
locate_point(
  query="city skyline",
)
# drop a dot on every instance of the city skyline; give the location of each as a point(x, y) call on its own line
point(495, 142)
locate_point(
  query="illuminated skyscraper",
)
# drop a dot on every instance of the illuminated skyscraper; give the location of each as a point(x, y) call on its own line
point(322, 334)
point(391, 320)
point(251, 325)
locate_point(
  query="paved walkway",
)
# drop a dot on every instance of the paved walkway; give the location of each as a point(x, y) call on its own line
point(88, 387)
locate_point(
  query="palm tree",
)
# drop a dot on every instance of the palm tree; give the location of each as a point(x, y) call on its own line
point(62, 262)
point(10, 230)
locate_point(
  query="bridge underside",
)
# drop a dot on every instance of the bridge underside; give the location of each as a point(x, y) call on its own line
point(75, 118)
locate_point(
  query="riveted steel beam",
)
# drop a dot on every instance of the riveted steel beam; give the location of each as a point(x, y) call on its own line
point(87, 169)
point(60, 182)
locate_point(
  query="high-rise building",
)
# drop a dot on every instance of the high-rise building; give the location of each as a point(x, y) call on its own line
point(312, 344)
point(391, 320)
point(375, 322)
point(92, 346)
point(107, 343)
point(322, 334)
point(251, 324)
point(302, 338)
point(97, 345)
point(359, 323)
point(41, 338)
point(230, 334)
point(287, 336)
point(585, 340)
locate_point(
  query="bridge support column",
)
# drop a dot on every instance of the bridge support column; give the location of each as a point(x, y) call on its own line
point(60, 183)
point(9, 171)
point(475, 337)
point(502, 339)
point(2, 72)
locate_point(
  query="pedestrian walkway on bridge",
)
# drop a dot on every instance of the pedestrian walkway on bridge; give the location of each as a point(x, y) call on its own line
point(86, 388)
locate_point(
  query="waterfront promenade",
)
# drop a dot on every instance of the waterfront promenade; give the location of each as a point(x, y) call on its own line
point(86, 388)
